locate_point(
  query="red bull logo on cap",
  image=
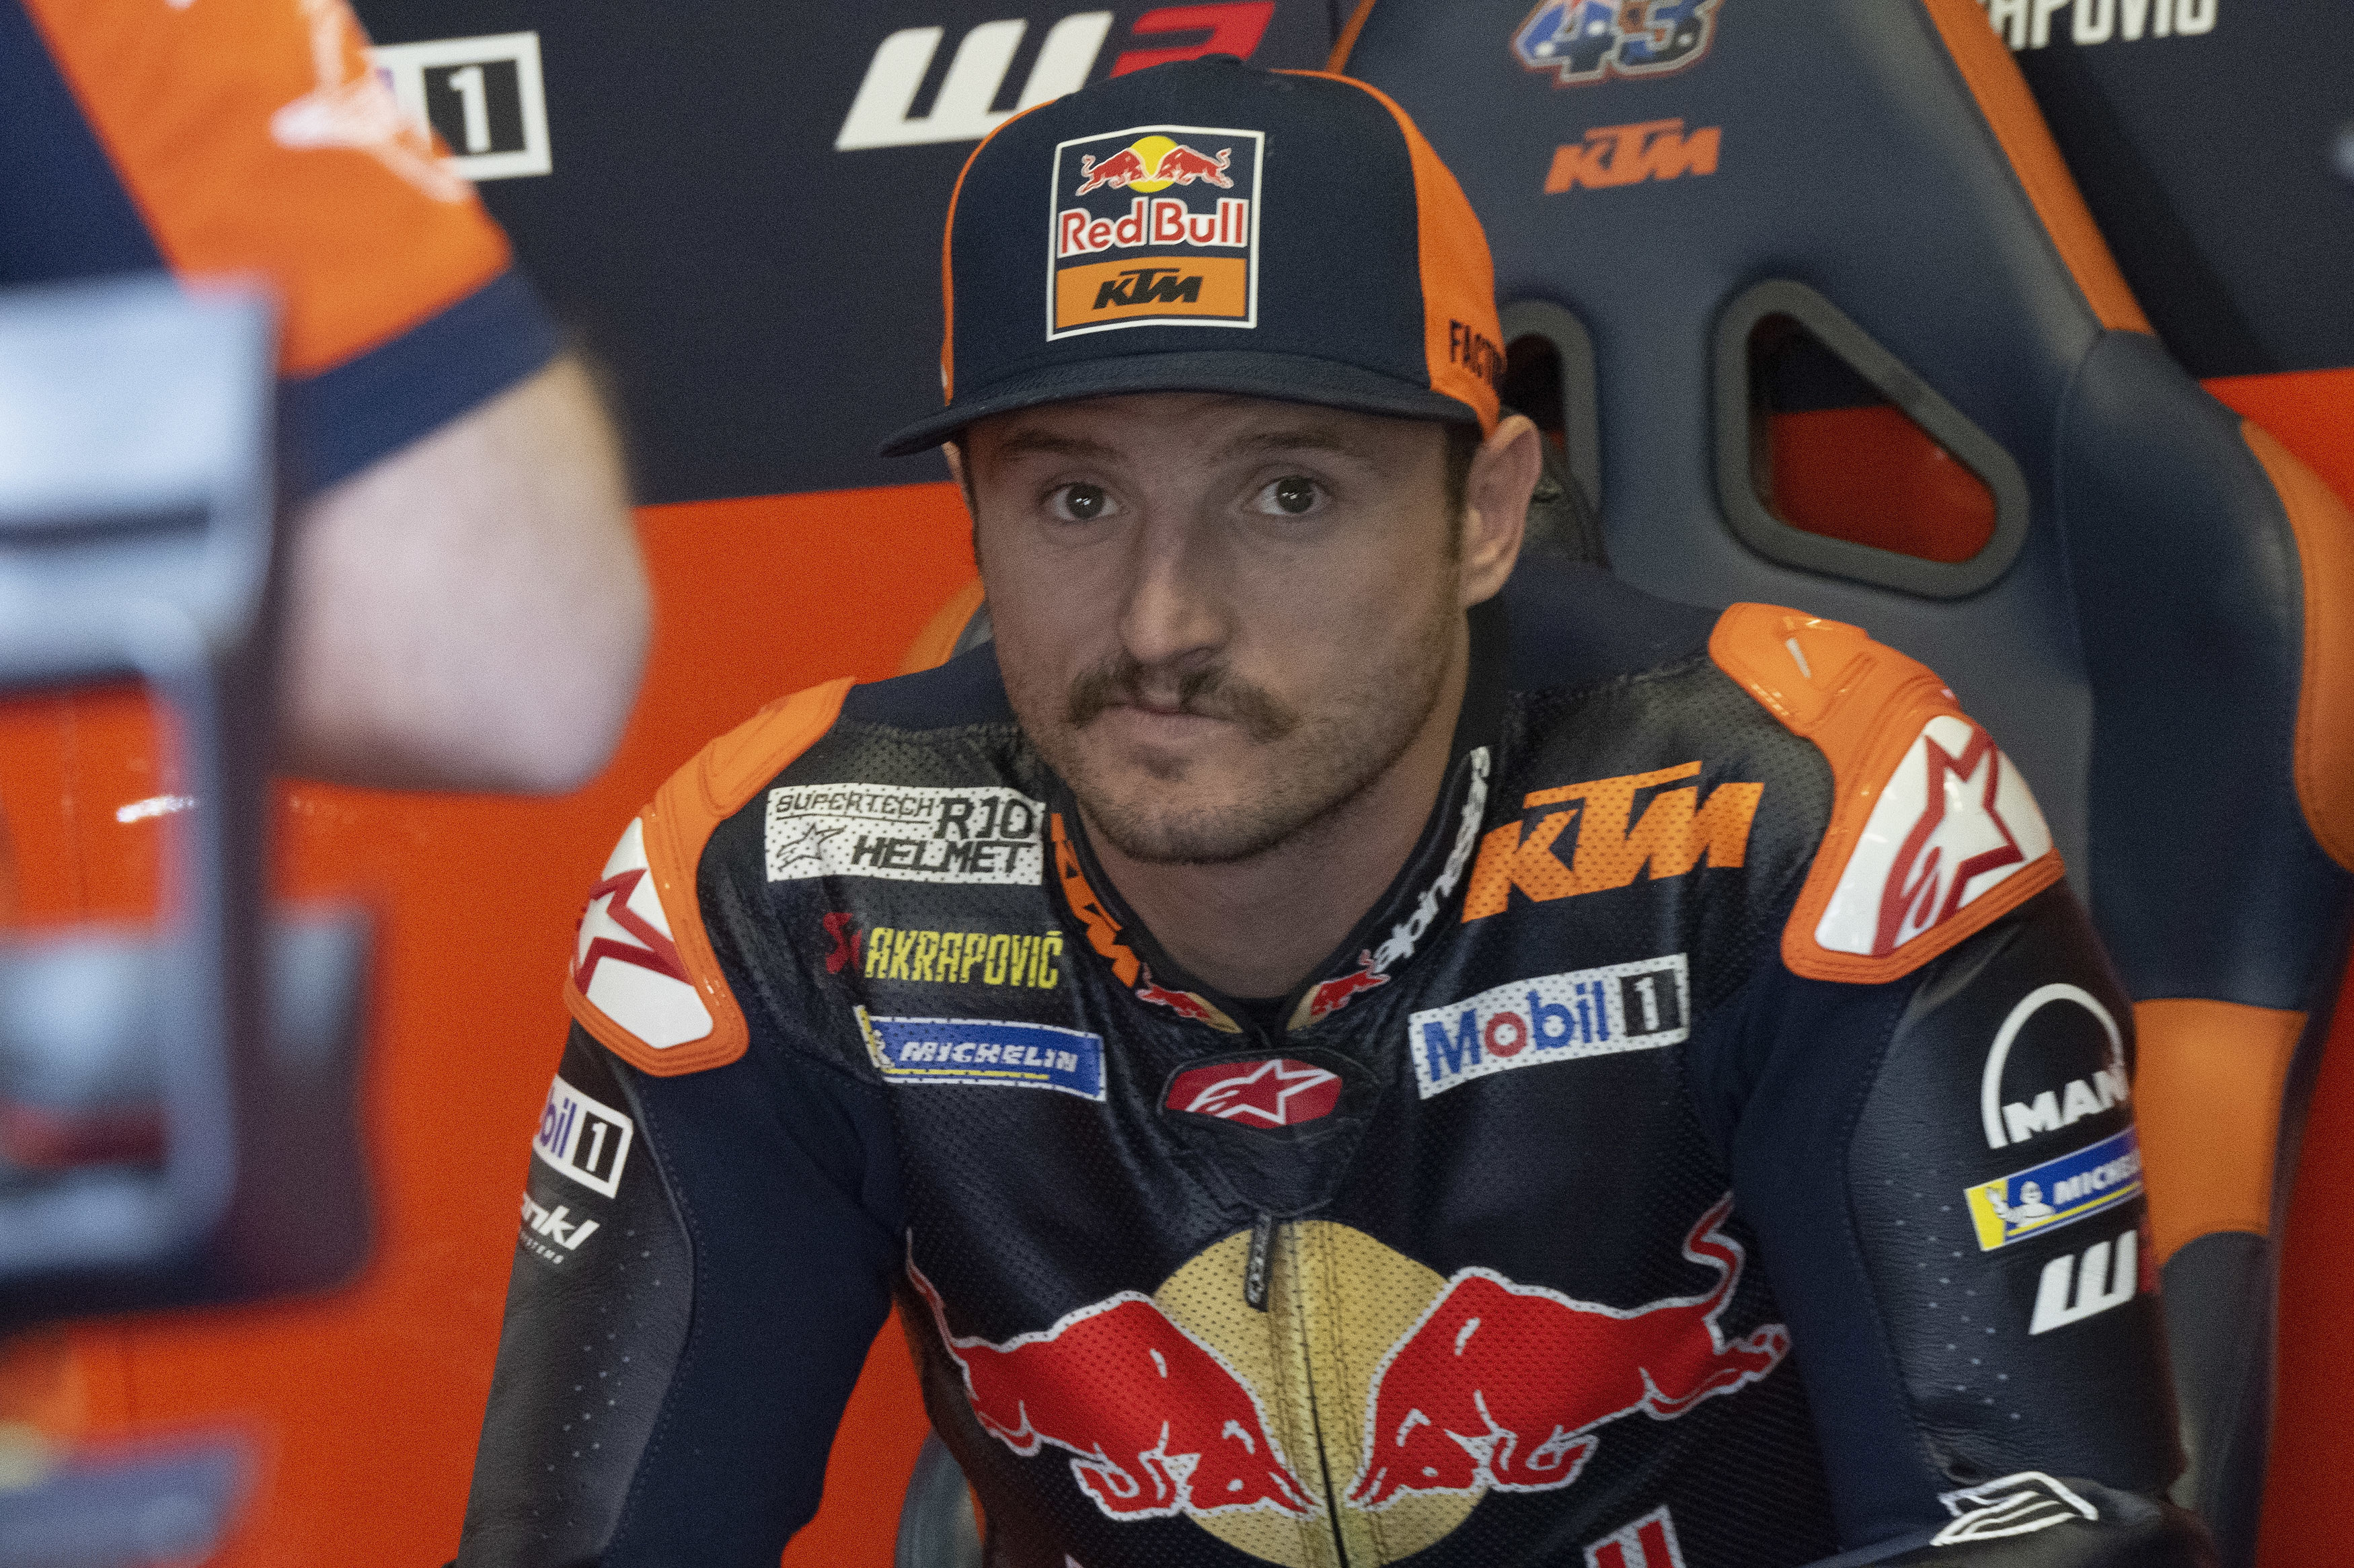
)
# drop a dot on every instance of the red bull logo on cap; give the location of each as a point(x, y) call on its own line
point(1156, 225)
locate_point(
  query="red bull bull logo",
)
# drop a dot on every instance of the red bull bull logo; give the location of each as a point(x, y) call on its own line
point(1156, 1423)
point(1504, 1385)
point(1369, 1401)
point(1192, 204)
point(1190, 1004)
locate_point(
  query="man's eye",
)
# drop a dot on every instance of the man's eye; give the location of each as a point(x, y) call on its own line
point(1081, 502)
point(1293, 495)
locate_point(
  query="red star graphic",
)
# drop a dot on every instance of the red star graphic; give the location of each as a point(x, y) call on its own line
point(1269, 1093)
point(658, 953)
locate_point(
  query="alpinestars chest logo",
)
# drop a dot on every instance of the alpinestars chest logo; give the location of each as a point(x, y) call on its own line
point(1154, 225)
point(1584, 41)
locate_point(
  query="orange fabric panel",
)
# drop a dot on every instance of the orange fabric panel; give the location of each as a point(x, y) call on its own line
point(2009, 108)
point(2324, 704)
point(695, 801)
point(2311, 412)
point(366, 1403)
point(1871, 476)
point(1462, 343)
point(2207, 1082)
point(2308, 1508)
point(255, 138)
point(936, 641)
point(1862, 703)
point(1336, 61)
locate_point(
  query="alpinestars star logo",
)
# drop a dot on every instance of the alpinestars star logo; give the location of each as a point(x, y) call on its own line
point(625, 961)
point(1275, 1092)
point(1954, 822)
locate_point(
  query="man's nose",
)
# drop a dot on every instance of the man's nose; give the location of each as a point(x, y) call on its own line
point(1174, 617)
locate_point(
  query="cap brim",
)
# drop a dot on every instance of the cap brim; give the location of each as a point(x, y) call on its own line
point(1284, 377)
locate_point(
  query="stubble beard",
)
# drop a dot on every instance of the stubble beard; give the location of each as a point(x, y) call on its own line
point(1310, 770)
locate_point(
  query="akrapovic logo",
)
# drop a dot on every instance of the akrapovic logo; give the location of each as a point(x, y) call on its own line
point(1552, 1018)
point(1154, 224)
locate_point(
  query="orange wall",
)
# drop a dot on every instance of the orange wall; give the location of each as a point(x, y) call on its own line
point(366, 1405)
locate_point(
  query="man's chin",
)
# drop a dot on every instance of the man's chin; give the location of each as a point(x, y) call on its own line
point(1157, 834)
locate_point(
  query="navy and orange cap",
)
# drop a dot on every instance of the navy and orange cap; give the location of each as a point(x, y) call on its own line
point(1203, 226)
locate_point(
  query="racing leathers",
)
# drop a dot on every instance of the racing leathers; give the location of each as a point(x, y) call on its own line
point(1716, 1148)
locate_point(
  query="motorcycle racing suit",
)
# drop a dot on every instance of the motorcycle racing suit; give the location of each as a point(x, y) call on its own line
point(1716, 1148)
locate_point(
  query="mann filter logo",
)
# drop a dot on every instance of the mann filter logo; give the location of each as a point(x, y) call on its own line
point(483, 97)
point(1156, 225)
point(905, 834)
point(1553, 1018)
point(991, 1053)
point(586, 1140)
point(965, 958)
point(2091, 1180)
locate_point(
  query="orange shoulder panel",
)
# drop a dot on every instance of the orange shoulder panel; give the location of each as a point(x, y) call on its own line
point(1993, 79)
point(255, 138)
point(936, 641)
point(2209, 1080)
point(696, 799)
point(1915, 784)
point(2325, 703)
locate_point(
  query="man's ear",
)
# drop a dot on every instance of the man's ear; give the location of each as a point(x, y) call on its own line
point(1504, 474)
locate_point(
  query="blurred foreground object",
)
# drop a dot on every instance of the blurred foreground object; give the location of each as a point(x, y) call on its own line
point(465, 604)
point(176, 1106)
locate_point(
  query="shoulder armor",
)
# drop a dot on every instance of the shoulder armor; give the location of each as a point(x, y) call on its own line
point(1934, 833)
point(644, 981)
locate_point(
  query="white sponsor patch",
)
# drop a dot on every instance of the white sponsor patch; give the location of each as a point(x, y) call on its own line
point(1552, 1018)
point(906, 833)
point(585, 1138)
point(623, 959)
point(2072, 1289)
point(2015, 1505)
point(1955, 822)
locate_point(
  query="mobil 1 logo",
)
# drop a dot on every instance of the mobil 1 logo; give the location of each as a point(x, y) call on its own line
point(583, 1137)
point(483, 97)
point(1154, 225)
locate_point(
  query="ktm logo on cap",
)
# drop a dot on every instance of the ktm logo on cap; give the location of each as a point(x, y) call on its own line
point(1154, 225)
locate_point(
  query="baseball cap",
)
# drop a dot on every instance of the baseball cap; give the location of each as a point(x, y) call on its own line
point(1206, 227)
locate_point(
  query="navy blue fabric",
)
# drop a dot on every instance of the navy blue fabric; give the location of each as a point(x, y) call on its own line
point(63, 213)
point(815, 1151)
point(1571, 624)
point(339, 422)
point(965, 690)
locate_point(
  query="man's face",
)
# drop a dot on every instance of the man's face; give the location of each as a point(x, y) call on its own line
point(1219, 619)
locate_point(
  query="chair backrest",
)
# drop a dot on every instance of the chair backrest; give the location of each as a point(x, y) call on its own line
point(1794, 231)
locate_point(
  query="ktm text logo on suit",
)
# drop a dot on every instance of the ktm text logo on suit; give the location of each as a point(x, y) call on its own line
point(1677, 832)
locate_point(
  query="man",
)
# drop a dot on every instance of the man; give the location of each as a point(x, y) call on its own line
point(1343, 1050)
point(465, 605)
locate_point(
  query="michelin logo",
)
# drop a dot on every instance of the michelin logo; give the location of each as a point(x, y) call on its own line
point(1552, 1018)
point(2098, 1177)
point(990, 1053)
point(587, 1140)
point(906, 833)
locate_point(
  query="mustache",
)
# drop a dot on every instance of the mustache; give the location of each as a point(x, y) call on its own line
point(1211, 692)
